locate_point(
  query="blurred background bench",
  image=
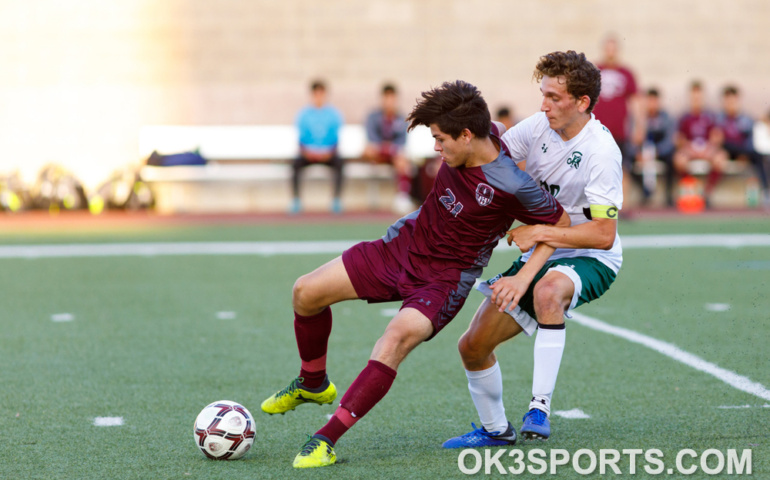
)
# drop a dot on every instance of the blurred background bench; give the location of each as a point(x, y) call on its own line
point(249, 169)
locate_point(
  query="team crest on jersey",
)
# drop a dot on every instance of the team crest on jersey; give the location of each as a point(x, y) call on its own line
point(574, 160)
point(484, 194)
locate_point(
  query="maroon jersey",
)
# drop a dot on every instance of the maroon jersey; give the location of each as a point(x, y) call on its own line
point(618, 85)
point(697, 128)
point(468, 211)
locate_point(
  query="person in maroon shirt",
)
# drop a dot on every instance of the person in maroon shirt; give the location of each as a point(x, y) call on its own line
point(619, 107)
point(699, 138)
point(429, 260)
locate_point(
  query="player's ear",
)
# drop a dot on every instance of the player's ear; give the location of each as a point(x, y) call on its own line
point(466, 135)
point(583, 103)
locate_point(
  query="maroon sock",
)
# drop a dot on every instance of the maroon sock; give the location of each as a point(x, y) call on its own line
point(367, 389)
point(312, 339)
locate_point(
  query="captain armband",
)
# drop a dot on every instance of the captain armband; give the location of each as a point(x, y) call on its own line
point(604, 211)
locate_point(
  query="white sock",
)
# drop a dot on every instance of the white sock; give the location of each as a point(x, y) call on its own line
point(549, 347)
point(486, 387)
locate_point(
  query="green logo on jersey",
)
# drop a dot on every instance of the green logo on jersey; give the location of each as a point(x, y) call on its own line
point(574, 160)
point(552, 189)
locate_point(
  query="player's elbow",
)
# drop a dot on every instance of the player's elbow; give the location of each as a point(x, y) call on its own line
point(564, 221)
point(606, 241)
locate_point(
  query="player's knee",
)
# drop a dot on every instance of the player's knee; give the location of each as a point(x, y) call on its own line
point(550, 296)
point(472, 353)
point(303, 299)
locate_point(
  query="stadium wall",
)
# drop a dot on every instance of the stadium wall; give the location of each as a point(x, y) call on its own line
point(81, 77)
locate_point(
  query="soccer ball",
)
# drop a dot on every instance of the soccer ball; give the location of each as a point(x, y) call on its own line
point(224, 430)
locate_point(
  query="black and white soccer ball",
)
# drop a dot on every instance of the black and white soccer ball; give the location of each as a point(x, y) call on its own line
point(224, 430)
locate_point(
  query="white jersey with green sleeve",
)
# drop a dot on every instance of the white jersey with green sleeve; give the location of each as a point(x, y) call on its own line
point(584, 174)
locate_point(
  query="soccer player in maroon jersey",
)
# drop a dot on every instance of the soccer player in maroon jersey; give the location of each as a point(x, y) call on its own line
point(429, 259)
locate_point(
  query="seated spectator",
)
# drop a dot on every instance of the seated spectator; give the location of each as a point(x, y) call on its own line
point(762, 147)
point(319, 125)
point(658, 144)
point(762, 135)
point(737, 130)
point(699, 138)
point(386, 138)
point(505, 116)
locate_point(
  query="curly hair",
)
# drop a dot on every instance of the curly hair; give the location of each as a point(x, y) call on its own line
point(582, 76)
point(454, 106)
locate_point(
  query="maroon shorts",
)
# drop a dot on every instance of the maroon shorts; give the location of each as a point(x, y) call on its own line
point(377, 272)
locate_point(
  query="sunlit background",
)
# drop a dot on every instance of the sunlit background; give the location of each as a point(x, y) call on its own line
point(81, 77)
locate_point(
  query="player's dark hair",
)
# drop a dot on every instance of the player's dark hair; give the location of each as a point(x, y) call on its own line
point(503, 112)
point(696, 85)
point(730, 90)
point(388, 88)
point(582, 76)
point(317, 85)
point(653, 92)
point(454, 106)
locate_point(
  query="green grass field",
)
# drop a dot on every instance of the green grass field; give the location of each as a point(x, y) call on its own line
point(145, 343)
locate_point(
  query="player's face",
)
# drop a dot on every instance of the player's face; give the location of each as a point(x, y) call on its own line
point(564, 111)
point(696, 100)
point(454, 152)
point(318, 97)
point(389, 102)
point(653, 105)
point(731, 104)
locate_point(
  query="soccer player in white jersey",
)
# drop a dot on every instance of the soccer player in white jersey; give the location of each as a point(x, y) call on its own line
point(573, 156)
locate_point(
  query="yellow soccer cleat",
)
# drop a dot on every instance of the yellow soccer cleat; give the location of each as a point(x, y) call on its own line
point(294, 394)
point(315, 453)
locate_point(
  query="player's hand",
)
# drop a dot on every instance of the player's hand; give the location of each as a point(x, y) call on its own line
point(523, 237)
point(507, 290)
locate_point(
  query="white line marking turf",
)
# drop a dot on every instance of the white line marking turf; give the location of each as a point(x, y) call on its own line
point(226, 315)
point(734, 407)
point(332, 247)
point(574, 414)
point(389, 312)
point(108, 421)
point(731, 378)
point(62, 317)
point(717, 307)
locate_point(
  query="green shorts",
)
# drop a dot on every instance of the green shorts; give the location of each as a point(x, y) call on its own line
point(591, 278)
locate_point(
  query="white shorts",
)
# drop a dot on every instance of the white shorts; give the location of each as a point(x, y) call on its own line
point(524, 319)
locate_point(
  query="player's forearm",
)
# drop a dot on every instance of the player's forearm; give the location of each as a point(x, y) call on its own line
point(540, 255)
point(598, 234)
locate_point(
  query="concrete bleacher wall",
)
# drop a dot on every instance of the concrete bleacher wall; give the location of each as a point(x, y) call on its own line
point(81, 78)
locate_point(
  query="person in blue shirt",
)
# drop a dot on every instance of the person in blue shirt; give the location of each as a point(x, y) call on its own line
point(738, 133)
point(319, 125)
point(658, 143)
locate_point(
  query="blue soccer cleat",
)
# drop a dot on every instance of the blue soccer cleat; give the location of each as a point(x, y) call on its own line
point(536, 425)
point(480, 437)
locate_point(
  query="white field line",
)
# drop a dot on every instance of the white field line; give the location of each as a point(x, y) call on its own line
point(731, 378)
point(108, 421)
point(62, 317)
point(574, 414)
point(323, 247)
